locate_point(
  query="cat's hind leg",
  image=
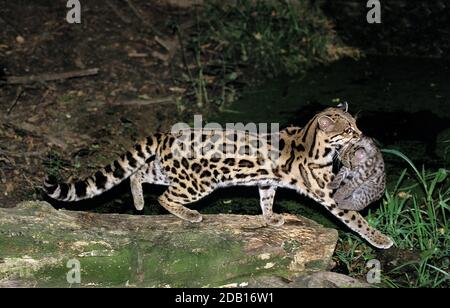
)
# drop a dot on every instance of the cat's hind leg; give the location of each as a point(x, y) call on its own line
point(175, 197)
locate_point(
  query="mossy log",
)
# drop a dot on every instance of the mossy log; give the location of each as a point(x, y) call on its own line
point(37, 241)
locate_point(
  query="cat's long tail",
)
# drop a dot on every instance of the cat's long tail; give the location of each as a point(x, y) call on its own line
point(107, 177)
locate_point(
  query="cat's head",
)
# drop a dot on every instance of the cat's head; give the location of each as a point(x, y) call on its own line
point(337, 127)
point(354, 157)
point(358, 153)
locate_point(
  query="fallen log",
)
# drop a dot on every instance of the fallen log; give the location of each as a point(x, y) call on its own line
point(42, 246)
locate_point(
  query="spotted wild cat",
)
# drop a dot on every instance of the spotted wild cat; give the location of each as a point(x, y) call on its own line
point(361, 180)
point(295, 158)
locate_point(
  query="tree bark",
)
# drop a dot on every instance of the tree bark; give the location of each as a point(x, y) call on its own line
point(40, 246)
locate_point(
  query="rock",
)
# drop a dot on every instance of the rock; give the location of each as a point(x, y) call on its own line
point(42, 246)
point(328, 280)
point(321, 279)
point(20, 39)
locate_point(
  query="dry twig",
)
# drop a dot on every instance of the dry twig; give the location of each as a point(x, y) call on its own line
point(49, 76)
point(144, 102)
point(16, 99)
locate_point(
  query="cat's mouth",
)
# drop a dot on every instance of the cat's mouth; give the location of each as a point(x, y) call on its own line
point(356, 139)
point(340, 151)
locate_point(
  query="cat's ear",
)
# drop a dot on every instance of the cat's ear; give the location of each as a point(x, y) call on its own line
point(360, 154)
point(343, 106)
point(325, 123)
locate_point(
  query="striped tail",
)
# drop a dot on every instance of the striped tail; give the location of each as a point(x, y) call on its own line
point(107, 177)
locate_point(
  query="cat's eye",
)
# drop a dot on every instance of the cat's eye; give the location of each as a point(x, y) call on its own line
point(349, 130)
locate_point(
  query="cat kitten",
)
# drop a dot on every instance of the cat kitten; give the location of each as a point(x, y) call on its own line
point(361, 180)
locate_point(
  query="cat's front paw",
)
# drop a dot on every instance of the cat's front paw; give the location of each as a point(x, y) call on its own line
point(274, 220)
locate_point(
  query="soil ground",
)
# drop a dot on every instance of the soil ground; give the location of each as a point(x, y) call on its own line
point(81, 123)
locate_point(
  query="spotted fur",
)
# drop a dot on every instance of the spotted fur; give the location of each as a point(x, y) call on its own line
point(361, 179)
point(295, 158)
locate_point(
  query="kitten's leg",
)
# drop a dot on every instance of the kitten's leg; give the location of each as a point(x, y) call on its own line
point(266, 196)
point(337, 180)
point(363, 196)
point(352, 202)
point(347, 199)
point(346, 190)
point(372, 189)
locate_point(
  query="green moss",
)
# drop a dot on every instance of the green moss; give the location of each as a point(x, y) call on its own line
point(18, 243)
point(290, 246)
point(101, 271)
point(196, 260)
point(35, 250)
point(176, 260)
point(316, 265)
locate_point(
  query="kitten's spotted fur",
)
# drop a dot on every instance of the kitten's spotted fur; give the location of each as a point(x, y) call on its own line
point(302, 160)
point(361, 180)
